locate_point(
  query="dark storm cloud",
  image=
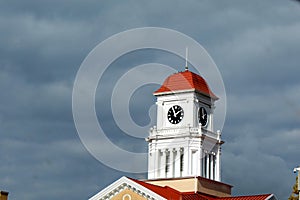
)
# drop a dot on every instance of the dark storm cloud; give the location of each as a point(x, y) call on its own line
point(40, 50)
point(255, 45)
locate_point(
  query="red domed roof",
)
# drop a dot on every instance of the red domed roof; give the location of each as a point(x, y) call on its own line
point(186, 80)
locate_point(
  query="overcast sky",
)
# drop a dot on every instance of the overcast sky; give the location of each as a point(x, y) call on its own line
point(255, 45)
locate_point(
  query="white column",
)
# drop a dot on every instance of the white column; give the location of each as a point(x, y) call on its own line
point(163, 164)
point(297, 169)
point(173, 160)
point(212, 167)
point(186, 166)
point(207, 165)
point(203, 164)
point(180, 154)
point(168, 166)
point(192, 169)
point(177, 163)
point(218, 164)
point(195, 163)
point(200, 159)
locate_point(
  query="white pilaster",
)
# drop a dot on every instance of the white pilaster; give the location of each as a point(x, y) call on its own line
point(157, 164)
point(160, 114)
point(151, 165)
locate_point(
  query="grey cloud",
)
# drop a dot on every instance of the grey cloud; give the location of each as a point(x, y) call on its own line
point(44, 42)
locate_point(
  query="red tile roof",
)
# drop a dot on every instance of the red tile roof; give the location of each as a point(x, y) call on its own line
point(186, 80)
point(172, 194)
point(205, 197)
point(166, 192)
point(252, 197)
point(196, 196)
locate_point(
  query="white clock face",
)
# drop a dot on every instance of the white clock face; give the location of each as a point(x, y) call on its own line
point(175, 114)
point(202, 115)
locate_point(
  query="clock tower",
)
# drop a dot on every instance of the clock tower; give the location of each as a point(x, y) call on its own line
point(183, 143)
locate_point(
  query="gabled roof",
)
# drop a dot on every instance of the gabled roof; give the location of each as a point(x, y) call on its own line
point(122, 184)
point(183, 81)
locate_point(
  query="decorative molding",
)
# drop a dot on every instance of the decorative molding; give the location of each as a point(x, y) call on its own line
point(125, 183)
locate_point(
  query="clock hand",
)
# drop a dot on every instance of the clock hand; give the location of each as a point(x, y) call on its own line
point(175, 114)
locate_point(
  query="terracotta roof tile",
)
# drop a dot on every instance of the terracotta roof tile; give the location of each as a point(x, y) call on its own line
point(252, 197)
point(186, 80)
point(166, 192)
point(196, 196)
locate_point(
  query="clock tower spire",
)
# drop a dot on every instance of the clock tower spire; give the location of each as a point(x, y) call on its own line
point(183, 143)
point(186, 58)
